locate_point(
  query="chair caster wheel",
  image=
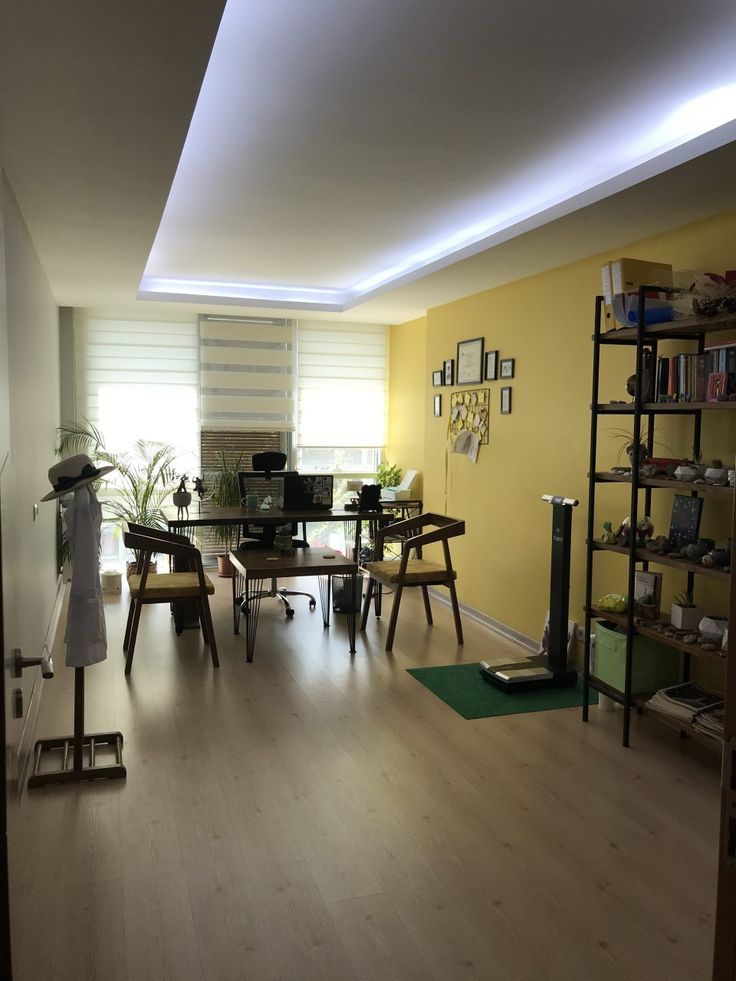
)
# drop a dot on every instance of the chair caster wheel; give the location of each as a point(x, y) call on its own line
point(312, 605)
point(289, 614)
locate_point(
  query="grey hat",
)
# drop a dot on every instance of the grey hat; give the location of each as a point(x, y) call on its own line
point(74, 472)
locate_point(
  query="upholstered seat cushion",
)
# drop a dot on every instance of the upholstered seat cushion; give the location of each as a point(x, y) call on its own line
point(418, 572)
point(166, 585)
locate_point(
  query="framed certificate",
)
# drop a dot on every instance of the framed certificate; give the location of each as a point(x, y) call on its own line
point(470, 362)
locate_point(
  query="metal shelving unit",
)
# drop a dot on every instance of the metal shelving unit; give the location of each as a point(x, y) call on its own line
point(644, 339)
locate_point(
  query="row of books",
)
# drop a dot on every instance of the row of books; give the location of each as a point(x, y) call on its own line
point(696, 377)
point(691, 703)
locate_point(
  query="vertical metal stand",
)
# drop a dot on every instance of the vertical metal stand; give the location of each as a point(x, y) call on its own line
point(84, 750)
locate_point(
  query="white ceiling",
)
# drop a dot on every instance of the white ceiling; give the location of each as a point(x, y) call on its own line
point(411, 152)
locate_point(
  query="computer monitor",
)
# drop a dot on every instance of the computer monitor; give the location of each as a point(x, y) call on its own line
point(308, 491)
point(256, 483)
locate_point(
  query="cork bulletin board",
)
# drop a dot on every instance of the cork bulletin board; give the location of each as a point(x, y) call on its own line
point(470, 410)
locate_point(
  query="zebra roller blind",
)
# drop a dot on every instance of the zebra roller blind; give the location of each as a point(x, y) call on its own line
point(247, 373)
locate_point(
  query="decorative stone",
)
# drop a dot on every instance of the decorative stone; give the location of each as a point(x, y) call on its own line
point(690, 639)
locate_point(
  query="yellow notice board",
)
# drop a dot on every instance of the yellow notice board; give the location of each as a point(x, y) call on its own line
point(469, 410)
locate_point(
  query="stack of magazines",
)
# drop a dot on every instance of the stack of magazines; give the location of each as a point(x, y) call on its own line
point(691, 703)
point(710, 722)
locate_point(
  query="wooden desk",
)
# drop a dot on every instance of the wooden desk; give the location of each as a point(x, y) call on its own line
point(253, 567)
point(213, 517)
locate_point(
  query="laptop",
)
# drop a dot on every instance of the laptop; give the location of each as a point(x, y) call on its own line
point(308, 492)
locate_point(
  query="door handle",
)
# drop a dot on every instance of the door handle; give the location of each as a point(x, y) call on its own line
point(20, 662)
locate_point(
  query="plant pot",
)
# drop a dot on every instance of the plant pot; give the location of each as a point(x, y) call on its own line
point(182, 499)
point(130, 568)
point(225, 567)
point(685, 617)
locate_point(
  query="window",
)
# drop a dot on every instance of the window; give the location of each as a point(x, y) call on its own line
point(139, 379)
point(342, 371)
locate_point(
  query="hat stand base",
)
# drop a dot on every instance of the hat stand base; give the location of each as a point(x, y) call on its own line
point(82, 748)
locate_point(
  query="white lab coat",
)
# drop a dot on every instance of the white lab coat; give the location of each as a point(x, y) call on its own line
point(86, 635)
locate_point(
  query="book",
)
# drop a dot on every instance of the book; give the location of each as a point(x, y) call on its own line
point(684, 701)
point(710, 721)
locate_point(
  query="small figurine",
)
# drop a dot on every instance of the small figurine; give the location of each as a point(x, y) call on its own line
point(201, 489)
point(644, 529)
point(182, 498)
point(623, 532)
point(608, 537)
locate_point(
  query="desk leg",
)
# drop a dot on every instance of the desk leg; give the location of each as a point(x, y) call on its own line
point(238, 582)
point(325, 596)
point(354, 586)
point(253, 593)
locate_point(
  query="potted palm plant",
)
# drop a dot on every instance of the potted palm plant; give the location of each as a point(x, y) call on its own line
point(145, 475)
point(225, 493)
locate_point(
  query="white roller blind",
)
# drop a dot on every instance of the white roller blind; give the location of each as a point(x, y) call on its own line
point(139, 380)
point(247, 373)
point(342, 371)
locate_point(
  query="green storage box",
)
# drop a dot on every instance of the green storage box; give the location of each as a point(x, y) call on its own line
point(654, 665)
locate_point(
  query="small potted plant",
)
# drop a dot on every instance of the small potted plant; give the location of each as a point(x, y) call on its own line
point(388, 475)
point(685, 615)
point(223, 480)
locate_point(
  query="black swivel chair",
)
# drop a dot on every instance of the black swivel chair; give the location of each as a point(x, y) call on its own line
point(263, 536)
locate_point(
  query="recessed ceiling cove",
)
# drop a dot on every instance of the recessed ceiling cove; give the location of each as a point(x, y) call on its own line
point(340, 148)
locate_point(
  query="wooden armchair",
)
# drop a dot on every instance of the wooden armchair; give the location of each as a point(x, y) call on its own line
point(415, 572)
point(166, 587)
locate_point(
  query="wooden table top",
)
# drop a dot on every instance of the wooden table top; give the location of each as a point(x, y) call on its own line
point(303, 562)
point(230, 516)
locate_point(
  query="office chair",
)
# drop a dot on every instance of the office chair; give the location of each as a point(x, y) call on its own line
point(263, 536)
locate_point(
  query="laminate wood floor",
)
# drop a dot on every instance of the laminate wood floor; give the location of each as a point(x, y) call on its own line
point(312, 815)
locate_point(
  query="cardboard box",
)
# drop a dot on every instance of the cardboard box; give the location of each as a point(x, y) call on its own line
point(654, 665)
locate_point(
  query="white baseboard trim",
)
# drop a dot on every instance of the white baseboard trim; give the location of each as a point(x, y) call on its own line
point(502, 629)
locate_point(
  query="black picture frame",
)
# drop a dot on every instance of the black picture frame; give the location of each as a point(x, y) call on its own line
point(506, 400)
point(491, 365)
point(685, 520)
point(437, 405)
point(448, 367)
point(470, 362)
point(506, 368)
point(437, 378)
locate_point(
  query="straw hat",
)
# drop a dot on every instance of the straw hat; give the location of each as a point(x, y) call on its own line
point(74, 472)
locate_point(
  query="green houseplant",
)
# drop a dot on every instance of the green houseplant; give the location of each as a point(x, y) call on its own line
point(222, 479)
point(388, 474)
point(145, 475)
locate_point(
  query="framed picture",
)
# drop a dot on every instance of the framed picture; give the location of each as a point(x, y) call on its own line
point(437, 405)
point(685, 520)
point(506, 401)
point(507, 367)
point(491, 365)
point(470, 361)
point(449, 369)
point(437, 378)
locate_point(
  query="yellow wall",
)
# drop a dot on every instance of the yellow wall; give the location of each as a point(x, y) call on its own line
point(545, 322)
point(407, 412)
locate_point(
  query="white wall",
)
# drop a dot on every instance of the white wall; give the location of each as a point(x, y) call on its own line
point(30, 578)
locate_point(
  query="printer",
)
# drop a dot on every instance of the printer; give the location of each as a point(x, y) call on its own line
point(403, 491)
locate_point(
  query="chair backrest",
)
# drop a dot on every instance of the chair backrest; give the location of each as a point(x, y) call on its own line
point(269, 461)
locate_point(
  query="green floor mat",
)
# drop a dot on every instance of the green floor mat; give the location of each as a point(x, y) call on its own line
point(462, 688)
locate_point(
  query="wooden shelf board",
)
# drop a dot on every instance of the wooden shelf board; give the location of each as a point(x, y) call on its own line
point(692, 327)
point(643, 556)
point(678, 725)
point(670, 483)
point(660, 408)
point(621, 620)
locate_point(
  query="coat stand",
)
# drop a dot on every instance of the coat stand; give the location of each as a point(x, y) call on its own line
point(84, 765)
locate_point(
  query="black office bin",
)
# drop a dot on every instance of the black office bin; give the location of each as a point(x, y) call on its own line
point(342, 589)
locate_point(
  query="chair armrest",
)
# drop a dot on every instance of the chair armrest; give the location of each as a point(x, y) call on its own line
point(165, 536)
point(438, 535)
point(150, 543)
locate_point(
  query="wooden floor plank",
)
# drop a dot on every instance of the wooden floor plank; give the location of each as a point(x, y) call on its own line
point(316, 815)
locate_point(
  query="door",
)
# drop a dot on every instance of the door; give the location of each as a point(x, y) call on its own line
point(5, 964)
